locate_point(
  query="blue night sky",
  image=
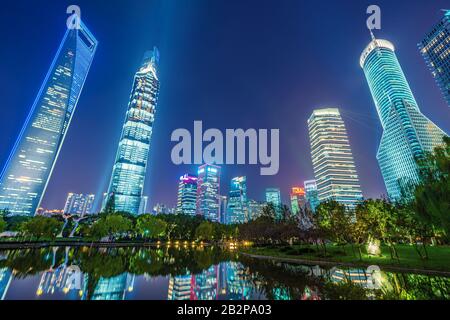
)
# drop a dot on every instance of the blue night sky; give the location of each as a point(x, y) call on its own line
point(232, 64)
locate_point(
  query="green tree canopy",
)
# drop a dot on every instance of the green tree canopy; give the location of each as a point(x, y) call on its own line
point(150, 226)
point(110, 225)
point(205, 231)
point(42, 227)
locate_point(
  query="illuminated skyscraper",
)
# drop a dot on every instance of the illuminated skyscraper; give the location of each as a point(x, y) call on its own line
point(127, 180)
point(312, 197)
point(208, 188)
point(254, 209)
point(435, 49)
point(223, 204)
point(79, 204)
point(29, 166)
point(407, 133)
point(298, 200)
point(273, 196)
point(187, 195)
point(143, 205)
point(334, 167)
point(237, 210)
point(114, 288)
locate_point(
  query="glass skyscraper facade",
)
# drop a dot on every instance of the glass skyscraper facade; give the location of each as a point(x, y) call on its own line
point(332, 159)
point(312, 196)
point(79, 204)
point(407, 133)
point(127, 180)
point(298, 200)
point(435, 49)
point(273, 196)
point(28, 169)
point(208, 189)
point(187, 195)
point(237, 209)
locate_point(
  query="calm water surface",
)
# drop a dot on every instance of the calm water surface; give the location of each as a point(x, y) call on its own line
point(200, 273)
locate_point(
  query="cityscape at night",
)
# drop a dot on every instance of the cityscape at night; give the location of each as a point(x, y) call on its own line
point(225, 136)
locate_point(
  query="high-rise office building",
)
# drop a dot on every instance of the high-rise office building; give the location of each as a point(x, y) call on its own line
point(187, 195)
point(334, 167)
point(311, 194)
point(29, 166)
point(223, 205)
point(407, 133)
point(435, 49)
point(79, 204)
point(273, 196)
point(208, 189)
point(255, 209)
point(298, 200)
point(237, 210)
point(128, 175)
point(143, 205)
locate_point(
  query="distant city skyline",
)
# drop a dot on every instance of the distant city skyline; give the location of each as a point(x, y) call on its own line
point(90, 170)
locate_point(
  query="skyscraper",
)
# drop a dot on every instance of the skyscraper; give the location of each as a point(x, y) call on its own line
point(143, 205)
point(255, 209)
point(312, 197)
point(128, 175)
point(208, 188)
point(187, 195)
point(273, 196)
point(28, 169)
point(237, 210)
point(223, 205)
point(80, 204)
point(407, 133)
point(298, 200)
point(435, 49)
point(334, 167)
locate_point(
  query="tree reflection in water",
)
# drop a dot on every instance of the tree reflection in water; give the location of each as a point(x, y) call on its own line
point(203, 273)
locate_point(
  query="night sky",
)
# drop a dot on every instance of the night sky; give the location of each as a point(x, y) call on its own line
point(232, 64)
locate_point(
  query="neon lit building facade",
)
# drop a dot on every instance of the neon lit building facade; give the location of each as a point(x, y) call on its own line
point(312, 196)
point(237, 210)
point(208, 190)
point(407, 133)
point(187, 195)
point(435, 49)
point(24, 179)
point(127, 180)
point(334, 167)
point(298, 200)
point(79, 204)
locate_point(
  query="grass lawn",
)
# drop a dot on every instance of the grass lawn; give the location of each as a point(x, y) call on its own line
point(439, 256)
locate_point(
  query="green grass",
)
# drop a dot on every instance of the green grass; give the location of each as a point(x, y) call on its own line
point(438, 256)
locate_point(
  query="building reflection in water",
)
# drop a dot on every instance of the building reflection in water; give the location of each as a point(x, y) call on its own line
point(115, 288)
point(5, 281)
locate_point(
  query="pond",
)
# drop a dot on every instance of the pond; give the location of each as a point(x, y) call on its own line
point(195, 273)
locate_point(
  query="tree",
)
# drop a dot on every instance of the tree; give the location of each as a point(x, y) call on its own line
point(149, 226)
point(110, 225)
point(205, 231)
point(42, 227)
point(379, 218)
point(2, 224)
point(431, 199)
point(333, 220)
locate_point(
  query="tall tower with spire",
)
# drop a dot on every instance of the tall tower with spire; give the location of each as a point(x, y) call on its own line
point(127, 180)
point(407, 133)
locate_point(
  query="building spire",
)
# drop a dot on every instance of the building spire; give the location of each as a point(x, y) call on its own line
point(371, 34)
